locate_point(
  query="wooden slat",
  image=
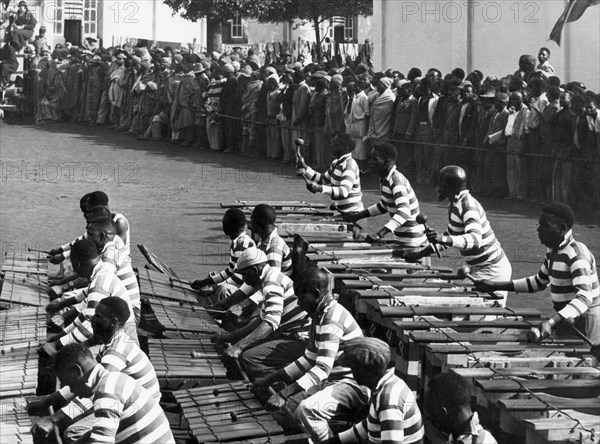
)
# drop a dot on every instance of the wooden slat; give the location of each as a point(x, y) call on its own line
point(537, 385)
point(535, 404)
point(427, 325)
point(580, 348)
point(406, 312)
point(525, 372)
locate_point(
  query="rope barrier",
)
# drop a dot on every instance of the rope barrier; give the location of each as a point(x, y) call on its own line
point(415, 143)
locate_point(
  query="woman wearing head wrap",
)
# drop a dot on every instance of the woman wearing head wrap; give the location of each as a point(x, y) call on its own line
point(380, 124)
point(23, 26)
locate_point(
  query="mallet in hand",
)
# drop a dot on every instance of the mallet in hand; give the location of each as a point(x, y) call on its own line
point(463, 272)
point(422, 219)
point(334, 207)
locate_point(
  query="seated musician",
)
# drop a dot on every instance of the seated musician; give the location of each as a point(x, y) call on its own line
point(397, 198)
point(322, 390)
point(102, 231)
point(342, 180)
point(124, 411)
point(227, 281)
point(468, 230)
point(278, 336)
point(394, 415)
point(279, 258)
point(87, 262)
point(117, 354)
point(569, 269)
point(448, 407)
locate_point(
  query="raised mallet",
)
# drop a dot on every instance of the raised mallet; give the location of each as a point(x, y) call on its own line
point(463, 272)
point(422, 219)
point(38, 251)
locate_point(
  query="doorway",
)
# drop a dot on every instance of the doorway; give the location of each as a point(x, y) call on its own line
point(73, 32)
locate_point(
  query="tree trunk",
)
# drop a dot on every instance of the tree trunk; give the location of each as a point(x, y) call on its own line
point(318, 37)
point(214, 36)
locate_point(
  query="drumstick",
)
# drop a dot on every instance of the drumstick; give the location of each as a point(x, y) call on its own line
point(463, 272)
point(37, 251)
point(422, 219)
point(334, 207)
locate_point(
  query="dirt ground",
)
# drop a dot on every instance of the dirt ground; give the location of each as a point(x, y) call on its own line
point(171, 196)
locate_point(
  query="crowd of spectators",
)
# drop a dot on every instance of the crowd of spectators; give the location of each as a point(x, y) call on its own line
point(524, 136)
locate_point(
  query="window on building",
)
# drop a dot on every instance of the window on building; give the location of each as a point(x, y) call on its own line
point(89, 16)
point(349, 28)
point(58, 17)
point(237, 28)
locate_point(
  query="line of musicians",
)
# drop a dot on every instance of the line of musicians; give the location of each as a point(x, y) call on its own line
point(295, 331)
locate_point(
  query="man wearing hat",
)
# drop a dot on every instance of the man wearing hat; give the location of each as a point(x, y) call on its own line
point(40, 42)
point(322, 389)
point(278, 336)
point(201, 71)
point(394, 415)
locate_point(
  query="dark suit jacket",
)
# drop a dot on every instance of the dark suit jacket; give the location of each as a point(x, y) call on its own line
point(405, 115)
point(468, 126)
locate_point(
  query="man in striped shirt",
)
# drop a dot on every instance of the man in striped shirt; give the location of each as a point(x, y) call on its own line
point(228, 281)
point(124, 411)
point(342, 180)
point(278, 336)
point(321, 389)
point(468, 230)
point(117, 354)
point(448, 407)
point(102, 232)
point(397, 198)
point(279, 258)
point(87, 263)
point(570, 270)
point(394, 416)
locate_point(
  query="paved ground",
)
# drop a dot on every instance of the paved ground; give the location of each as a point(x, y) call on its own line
point(171, 197)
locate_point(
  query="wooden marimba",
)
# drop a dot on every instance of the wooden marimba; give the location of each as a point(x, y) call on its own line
point(25, 280)
point(181, 318)
point(16, 423)
point(157, 285)
point(226, 413)
point(177, 361)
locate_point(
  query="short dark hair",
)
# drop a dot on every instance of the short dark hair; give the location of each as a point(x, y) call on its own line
point(312, 274)
point(70, 354)
point(97, 198)
point(83, 250)
point(118, 307)
point(106, 224)
point(450, 389)
point(543, 48)
point(561, 211)
point(458, 72)
point(346, 140)
point(234, 219)
point(387, 151)
point(98, 212)
point(264, 214)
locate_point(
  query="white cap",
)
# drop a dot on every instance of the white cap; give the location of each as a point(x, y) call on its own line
point(251, 256)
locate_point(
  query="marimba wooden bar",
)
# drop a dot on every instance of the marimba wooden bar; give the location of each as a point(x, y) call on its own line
point(184, 318)
point(157, 285)
point(16, 423)
point(226, 413)
point(174, 364)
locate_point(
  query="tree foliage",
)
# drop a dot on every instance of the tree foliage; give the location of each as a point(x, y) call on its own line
point(316, 11)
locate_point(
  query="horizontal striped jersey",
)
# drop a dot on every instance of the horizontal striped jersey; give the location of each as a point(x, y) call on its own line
point(394, 416)
point(342, 182)
point(116, 253)
point(236, 247)
point(121, 354)
point(470, 231)
point(475, 434)
point(125, 412)
point(127, 236)
point(104, 284)
point(399, 199)
point(570, 270)
point(279, 257)
point(332, 327)
point(280, 307)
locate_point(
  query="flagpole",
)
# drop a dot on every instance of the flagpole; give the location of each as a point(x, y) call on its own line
point(567, 46)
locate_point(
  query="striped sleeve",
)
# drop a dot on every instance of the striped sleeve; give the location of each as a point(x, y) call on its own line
point(272, 309)
point(312, 175)
point(582, 279)
point(358, 433)
point(278, 253)
point(237, 247)
point(402, 203)
point(398, 415)
point(347, 178)
point(534, 283)
point(473, 227)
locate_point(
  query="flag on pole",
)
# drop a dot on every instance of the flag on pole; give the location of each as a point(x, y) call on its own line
point(573, 11)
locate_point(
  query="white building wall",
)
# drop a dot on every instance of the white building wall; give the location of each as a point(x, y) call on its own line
point(485, 35)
